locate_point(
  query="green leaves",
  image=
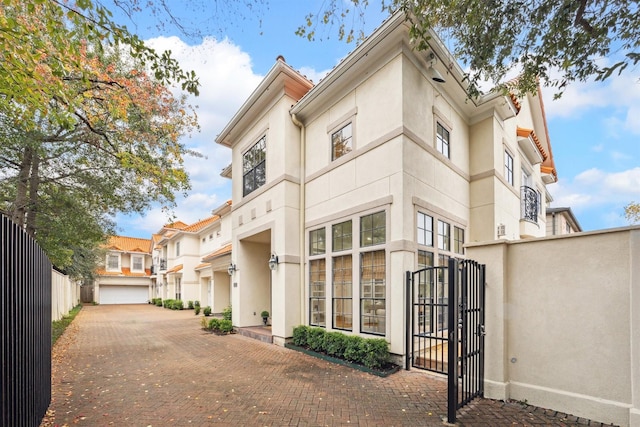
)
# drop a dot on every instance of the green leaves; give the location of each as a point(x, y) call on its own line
point(558, 42)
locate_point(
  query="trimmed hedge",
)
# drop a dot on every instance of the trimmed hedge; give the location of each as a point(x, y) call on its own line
point(370, 352)
point(221, 326)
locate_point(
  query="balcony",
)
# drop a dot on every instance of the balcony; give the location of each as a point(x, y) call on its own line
point(529, 208)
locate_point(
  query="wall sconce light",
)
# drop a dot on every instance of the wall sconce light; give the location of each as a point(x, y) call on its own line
point(433, 73)
point(273, 262)
point(231, 269)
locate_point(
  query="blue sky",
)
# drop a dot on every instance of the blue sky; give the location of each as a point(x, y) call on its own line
point(594, 127)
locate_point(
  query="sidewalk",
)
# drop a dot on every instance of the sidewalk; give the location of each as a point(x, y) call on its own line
point(141, 365)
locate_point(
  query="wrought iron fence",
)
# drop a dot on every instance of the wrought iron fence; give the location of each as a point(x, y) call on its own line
point(25, 296)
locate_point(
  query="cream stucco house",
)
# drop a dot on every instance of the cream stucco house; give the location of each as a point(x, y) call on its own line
point(376, 170)
point(190, 261)
point(125, 277)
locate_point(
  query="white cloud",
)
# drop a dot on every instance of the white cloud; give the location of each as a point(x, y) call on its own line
point(620, 94)
point(226, 80)
point(600, 193)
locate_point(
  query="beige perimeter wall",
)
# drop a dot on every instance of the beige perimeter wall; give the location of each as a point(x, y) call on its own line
point(563, 323)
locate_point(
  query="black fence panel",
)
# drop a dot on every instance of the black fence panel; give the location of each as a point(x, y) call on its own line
point(25, 298)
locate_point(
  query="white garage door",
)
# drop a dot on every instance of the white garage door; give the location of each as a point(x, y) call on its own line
point(110, 294)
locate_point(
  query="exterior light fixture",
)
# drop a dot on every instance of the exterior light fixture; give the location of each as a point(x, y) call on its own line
point(273, 262)
point(433, 73)
point(231, 269)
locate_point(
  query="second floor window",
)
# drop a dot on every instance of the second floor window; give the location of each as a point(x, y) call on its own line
point(177, 248)
point(341, 142)
point(508, 167)
point(442, 140)
point(253, 167)
point(113, 262)
point(136, 263)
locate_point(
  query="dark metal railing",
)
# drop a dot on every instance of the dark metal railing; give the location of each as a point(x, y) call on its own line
point(25, 296)
point(163, 264)
point(529, 204)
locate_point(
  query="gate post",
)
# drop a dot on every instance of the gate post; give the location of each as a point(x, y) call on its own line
point(452, 375)
point(408, 320)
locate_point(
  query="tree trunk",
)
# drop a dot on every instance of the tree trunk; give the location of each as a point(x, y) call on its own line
point(20, 204)
point(34, 184)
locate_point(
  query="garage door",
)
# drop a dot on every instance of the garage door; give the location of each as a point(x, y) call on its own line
point(110, 294)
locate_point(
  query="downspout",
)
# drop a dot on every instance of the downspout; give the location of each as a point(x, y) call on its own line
point(553, 223)
point(301, 214)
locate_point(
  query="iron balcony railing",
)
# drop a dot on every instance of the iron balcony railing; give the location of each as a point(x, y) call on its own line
point(163, 264)
point(529, 204)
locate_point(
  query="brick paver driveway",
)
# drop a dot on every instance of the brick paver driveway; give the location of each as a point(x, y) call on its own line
point(141, 365)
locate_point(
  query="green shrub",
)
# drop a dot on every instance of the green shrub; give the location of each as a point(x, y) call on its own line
point(207, 311)
point(214, 324)
point(177, 305)
point(196, 303)
point(190, 305)
point(197, 310)
point(226, 313)
point(300, 334)
point(315, 339)
point(376, 353)
point(354, 350)
point(225, 326)
point(159, 302)
point(168, 303)
point(335, 343)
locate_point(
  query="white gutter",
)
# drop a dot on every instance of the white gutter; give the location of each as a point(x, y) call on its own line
point(301, 214)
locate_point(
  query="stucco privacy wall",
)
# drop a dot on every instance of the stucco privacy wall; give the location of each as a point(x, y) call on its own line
point(563, 323)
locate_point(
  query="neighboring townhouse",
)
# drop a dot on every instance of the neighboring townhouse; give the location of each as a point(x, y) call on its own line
point(125, 277)
point(383, 167)
point(190, 262)
point(561, 221)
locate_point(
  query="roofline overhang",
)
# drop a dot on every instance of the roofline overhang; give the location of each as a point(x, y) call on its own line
point(273, 77)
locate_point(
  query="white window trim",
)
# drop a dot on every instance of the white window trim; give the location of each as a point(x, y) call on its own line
point(133, 263)
point(108, 268)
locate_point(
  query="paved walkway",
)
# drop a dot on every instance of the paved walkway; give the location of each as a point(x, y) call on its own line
point(142, 365)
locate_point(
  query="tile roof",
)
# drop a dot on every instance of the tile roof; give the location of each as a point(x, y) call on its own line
point(175, 269)
point(126, 272)
point(220, 252)
point(203, 265)
point(526, 133)
point(195, 227)
point(129, 244)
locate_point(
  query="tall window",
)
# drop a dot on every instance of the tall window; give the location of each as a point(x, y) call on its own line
point(373, 292)
point(341, 142)
point(178, 248)
point(342, 236)
point(137, 263)
point(458, 240)
point(253, 167)
point(508, 167)
point(317, 278)
point(444, 235)
point(373, 229)
point(342, 292)
point(425, 229)
point(178, 288)
point(442, 140)
point(317, 242)
point(113, 262)
point(317, 292)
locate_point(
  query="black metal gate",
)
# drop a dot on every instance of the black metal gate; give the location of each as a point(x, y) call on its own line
point(445, 327)
point(25, 328)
